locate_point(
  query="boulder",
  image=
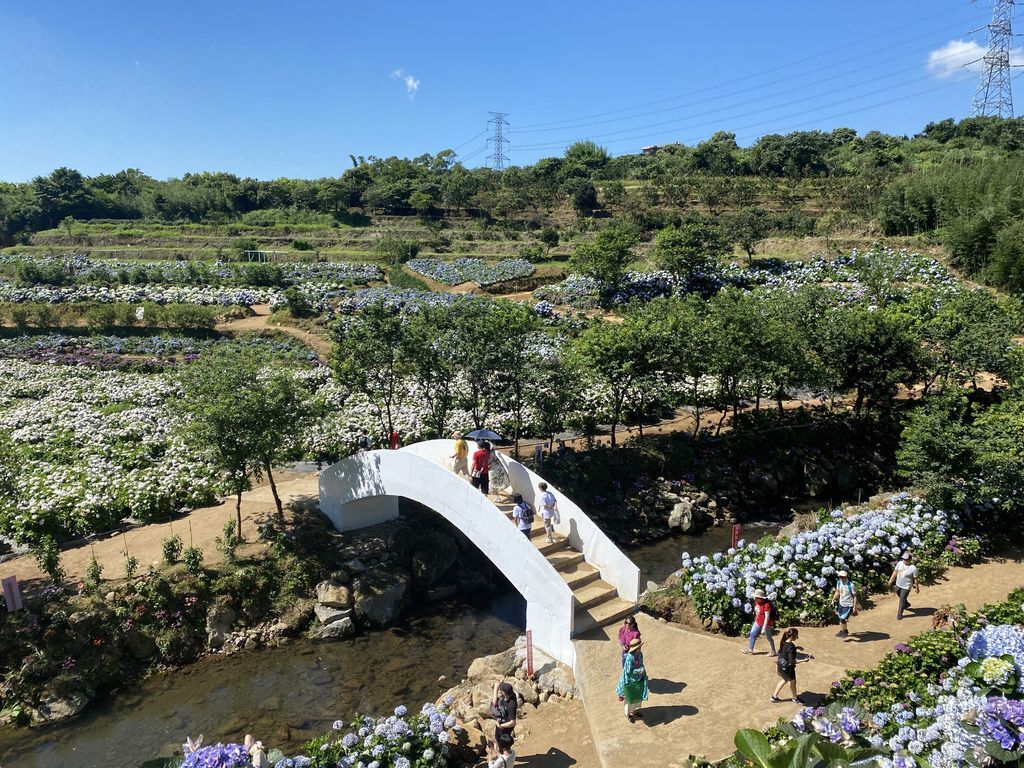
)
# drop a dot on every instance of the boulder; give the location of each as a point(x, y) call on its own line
point(556, 679)
point(502, 664)
point(58, 709)
point(338, 629)
point(432, 559)
point(333, 595)
point(341, 576)
point(85, 623)
point(681, 518)
point(467, 744)
point(328, 615)
point(355, 566)
point(526, 691)
point(380, 593)
point(139, 644)
point(219, 619)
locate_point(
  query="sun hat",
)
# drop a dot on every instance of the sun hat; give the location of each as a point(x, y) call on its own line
point(457, 435)
point(842, 573)
point(635, 643)
point(759, 593)
point(907, 555)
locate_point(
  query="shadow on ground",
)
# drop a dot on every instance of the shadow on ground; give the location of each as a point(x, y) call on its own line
point(667, 714)
point(553, 758)
point(665, 686)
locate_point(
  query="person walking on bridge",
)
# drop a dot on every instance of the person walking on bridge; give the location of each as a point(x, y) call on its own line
point(522, 513)
point(480, 473)
point(460, 463)
point(632, 685)
point(548, 510)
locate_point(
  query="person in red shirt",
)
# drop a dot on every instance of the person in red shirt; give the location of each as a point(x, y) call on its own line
point(480, 471)
point(764, 622)
point(394, 441)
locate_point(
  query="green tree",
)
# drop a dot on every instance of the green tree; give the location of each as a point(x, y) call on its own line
point(747, 228)
point(549, 237)
point(434, 348)
point(370, 358)
point(616, 355)
point(607, 256)
point(552, 390)
point(695, 246)
point(395, 250)
point(583, 197)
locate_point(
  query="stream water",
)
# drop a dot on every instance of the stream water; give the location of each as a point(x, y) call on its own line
point(287, 695)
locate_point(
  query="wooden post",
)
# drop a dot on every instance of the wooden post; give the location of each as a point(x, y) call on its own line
point(529, 653)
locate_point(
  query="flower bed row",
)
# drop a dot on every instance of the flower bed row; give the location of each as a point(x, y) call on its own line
point(465, 270)
point(80, 269)
point(948, 698)
point(135, 294)
point(799, 573)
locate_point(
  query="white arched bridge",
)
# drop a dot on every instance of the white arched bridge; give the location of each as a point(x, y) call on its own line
point(580, 582)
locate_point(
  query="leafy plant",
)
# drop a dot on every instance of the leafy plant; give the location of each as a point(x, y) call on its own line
point(192, 557)
point(171, 549)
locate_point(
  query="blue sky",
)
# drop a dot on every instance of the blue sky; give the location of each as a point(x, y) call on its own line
point(292, 89)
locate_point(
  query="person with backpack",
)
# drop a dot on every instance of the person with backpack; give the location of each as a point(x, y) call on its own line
point(845, 597)
point(786, 665)
point(363, 441)
point(765, 616)
point(480, 472)
point(548, 510)
point(522, 513)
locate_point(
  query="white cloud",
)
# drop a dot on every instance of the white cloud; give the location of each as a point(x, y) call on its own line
point(963, 57)
point(412, 84)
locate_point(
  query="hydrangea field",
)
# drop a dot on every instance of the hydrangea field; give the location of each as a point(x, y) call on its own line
point(849, 275)
point(961, 708)
point(469, 270)
point(799, 573)
point(402, 740)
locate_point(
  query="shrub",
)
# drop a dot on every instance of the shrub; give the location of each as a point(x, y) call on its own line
point(93, 575)
point(302, 245)
point(47, 554)
point(131, 566)
point(229, 542)
point(396, 250)
point(171, 548)
point(193, 559)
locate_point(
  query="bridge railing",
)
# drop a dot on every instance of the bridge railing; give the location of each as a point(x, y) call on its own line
point(584, 534)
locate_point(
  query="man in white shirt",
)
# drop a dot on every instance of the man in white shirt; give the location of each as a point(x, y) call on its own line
point(548, 510)
point(904, 577)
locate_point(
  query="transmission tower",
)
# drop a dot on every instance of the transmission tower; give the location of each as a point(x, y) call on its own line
point(994, 97)
point(498, 144)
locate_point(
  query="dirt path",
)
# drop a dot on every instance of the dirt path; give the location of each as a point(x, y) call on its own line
point(261, 322)
point(703, 689)
point(199, 528)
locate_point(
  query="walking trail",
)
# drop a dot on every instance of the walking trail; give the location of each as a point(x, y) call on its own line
point(261, 321)
point(199, 528)
point(703, 688)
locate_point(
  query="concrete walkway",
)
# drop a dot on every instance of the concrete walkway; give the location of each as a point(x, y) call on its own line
point(703, 688)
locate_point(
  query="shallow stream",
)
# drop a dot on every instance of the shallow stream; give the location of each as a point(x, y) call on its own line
point(287, 695)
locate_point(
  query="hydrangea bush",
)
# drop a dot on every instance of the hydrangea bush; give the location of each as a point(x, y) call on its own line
point(465, 270)
point(799, 573)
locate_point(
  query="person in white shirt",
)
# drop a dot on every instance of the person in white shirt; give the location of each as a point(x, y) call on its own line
point(500, 754)
point(548, 510)
point(904, 578)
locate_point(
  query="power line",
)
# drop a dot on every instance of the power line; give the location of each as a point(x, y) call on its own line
point(745, 79)
point(498, 142)
point(467, 141)
point(717, 93)
point(994, 95)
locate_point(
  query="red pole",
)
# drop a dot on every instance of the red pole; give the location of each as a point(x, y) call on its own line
point(737, 533)
point(529, 653)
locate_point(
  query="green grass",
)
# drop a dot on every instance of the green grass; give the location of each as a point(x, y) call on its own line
point(399, 278)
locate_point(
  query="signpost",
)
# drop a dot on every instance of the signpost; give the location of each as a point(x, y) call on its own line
point(529, 653)
point(737, 533)
point(12, 594)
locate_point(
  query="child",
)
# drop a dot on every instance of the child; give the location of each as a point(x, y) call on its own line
point(523, 515)
point(786, 665)
point(548, 510)
point(846, 598)
point(499, 752)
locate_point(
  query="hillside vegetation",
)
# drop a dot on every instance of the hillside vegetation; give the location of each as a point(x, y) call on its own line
point(954, 184)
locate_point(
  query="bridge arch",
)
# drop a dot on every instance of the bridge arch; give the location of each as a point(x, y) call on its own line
point(364, 489)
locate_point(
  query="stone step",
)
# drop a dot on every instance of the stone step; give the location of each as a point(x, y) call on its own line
point(564, 558)
point(594, 593)
point(546, 549)
point(603, 614)
point(580, 575)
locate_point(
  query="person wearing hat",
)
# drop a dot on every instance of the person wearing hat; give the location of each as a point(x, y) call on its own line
point(846, 598)
point(504, 706)
point(904, 578)
point(460, 459)
point(632, 687)
point(764, 622)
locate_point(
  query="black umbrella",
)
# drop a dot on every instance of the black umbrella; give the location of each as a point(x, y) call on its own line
point(485, 434)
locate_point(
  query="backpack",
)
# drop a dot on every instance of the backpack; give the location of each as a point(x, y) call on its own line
point(773, 614)
point(525, 512)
